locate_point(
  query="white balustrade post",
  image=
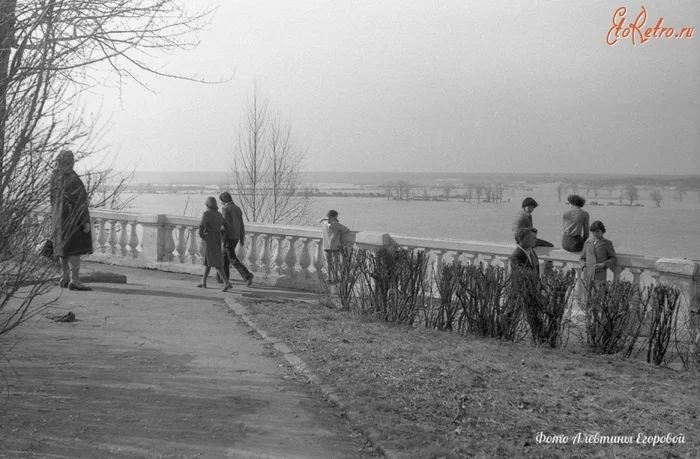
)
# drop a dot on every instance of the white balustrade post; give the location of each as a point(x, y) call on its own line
point(319, 257)
point(193, 244)
point(181, 243)
point(683, 274)
point(102, 236)
point(112, 241)
point(266, 256)
point(133, 240)
point(123, 237)
point(168, 243)
point(291, 258)
point(305, 259)
point(279, 256)
point(253, 254)
point(242, 252)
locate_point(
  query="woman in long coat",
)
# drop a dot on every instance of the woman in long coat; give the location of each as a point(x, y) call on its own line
point(210, 229)
point(70, 220)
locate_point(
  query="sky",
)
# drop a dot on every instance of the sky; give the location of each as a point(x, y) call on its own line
point(419, 85)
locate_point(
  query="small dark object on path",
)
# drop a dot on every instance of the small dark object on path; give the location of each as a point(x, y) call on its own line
point(70, 317)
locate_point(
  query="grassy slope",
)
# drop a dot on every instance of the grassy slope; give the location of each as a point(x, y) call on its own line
point(436, 394)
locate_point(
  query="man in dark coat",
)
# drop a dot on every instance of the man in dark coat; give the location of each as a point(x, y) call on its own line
point(70, 220)
point(235, 234)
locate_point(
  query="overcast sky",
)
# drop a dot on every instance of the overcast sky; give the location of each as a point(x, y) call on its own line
point(419, 85)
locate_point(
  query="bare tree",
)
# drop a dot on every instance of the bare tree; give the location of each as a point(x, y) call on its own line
point(561, 189)
point(573, 186)
point(479, 192)
point(656, 196)
point(106, 186)
point(469, 191)
point(266, 167)
point(47, 49)
point(680, 193)
point(631, 193)
point(447, 190)
point(389, 189)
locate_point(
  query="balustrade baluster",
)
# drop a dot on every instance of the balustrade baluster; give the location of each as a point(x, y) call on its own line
point(95, 234)
point(112, 238)
point(201, 248)
point(636, 276)
point(102, 236)
point(291, 258)
point(192, 244)
point(181, 243)
point(253, 254)
point(279, 257)
point(471, 258)
point(169, 243)
point(319, 257)
point(617, 270)
point(123, 237)
point(501, 260)
point(242, 252)
point(305, 259)
point(266, 256)
point(438, 256)
point(134, 240)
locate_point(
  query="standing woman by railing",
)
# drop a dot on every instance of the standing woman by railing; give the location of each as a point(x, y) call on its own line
point(70, 220)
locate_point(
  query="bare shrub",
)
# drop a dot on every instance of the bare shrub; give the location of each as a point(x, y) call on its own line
point(442, 313)
point(663, 301)
point(487, 307)
point(544, 303)
point(611, 313)
point(394, 284)
point(350, 269)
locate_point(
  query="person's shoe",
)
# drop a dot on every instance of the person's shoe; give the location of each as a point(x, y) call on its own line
point(226, 287)
point(202, 285)
point(249, 280)
point(63, 284)
point(79, 287)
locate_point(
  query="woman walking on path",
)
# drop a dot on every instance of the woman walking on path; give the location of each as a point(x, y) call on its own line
point(70, 220)
point(233, 235)
point(576, 221)
point(598, 256)
point(210, 232)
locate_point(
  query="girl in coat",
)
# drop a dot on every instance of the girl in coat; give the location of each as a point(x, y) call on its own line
point(598, 256)
point(210, 229)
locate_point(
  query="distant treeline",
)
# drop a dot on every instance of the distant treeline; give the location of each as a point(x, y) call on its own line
point(193, 179)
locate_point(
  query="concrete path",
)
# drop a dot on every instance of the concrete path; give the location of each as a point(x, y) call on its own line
point(157, 368)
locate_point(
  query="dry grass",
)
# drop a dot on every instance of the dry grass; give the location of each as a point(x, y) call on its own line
point(436, 394)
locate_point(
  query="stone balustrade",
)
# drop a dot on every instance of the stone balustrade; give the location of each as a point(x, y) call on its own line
point(292, 256)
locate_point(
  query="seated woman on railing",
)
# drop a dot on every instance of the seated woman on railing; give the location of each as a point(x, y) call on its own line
point(575, 225)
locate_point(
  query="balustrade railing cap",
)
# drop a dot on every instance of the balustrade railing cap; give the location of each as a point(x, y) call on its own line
point(677, 266)
point(371, 238)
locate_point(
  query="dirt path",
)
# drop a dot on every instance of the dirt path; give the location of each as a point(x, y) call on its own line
point(157, 370)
